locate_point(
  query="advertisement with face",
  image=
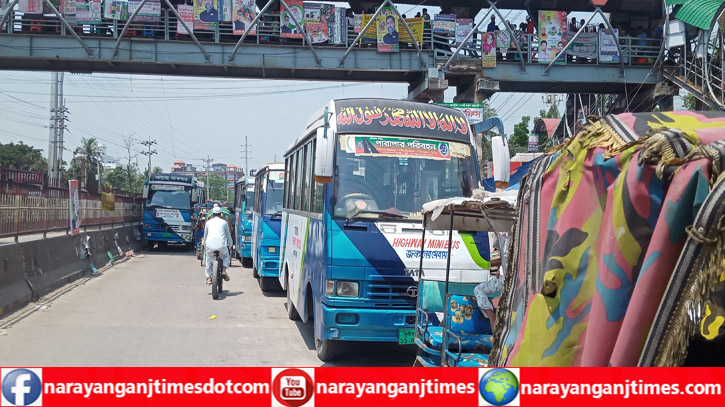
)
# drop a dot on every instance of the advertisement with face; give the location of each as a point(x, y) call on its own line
point(552, 36)
point(243, 13)
point(488, 49)
point(206, 14)
point(288, 28)
point(387, 25)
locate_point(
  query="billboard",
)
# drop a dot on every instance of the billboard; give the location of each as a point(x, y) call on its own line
point(444, 24)
point(287, 26)
point(488, 49)
point(115, 9)
point(149, 13)
point(473, 111)
point(608, 51)
point(206, 14)
point(463, 27)
point(387, 27)
point(88, 12)
point(243, 13)
point(552, 35)
point(187, 15)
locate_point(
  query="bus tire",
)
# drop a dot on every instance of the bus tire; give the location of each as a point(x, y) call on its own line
point(255, 274)
point(327, 349)
point(265, 283)
point(150, 245)
point(291, 310)
point(247, 262)
point(215, 277)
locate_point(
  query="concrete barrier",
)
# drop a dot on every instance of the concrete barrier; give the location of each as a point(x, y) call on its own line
point(32, 269)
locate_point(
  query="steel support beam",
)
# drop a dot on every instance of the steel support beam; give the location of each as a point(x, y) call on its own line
point(304, 32)
point(458, 48)
point(190, 31)
point(246, 32)
point(511, 32)
point(68, 27)
point(9, 11)
point(125, 27)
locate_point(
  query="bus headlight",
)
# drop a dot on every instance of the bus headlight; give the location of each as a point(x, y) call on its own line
point(330, 287)
point(347, 288)
point(147, 226)
point(272, 249)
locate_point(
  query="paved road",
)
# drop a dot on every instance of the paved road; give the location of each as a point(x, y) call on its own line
point(154, 311)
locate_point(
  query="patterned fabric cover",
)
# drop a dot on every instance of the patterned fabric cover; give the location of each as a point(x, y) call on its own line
point(470, 360)
point(466, 317)
point(469, 342)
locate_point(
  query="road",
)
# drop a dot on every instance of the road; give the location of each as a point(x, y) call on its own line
point(156, 310)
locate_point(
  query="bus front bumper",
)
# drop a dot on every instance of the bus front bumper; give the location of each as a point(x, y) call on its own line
point(167, 237)
point(269, 263)
point(365, 324)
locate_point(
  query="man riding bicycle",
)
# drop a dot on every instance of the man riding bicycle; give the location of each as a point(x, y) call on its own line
point(217, 237)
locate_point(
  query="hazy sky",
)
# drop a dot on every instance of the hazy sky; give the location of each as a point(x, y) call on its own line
point(191, 118)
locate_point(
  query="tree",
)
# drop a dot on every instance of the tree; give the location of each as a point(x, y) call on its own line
point(519, 141)
point(217, 188)
point(116, 178)
point(22, 157)
point(128, 143)
point(90, 154)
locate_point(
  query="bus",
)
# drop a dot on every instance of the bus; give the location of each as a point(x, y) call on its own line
point(169, 201)
point(266, 217)
point(243, 204)
point(352, 225)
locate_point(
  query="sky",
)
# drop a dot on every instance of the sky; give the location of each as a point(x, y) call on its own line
point(191, 117)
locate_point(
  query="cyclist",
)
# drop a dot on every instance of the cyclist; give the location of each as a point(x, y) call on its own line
point(217, 237)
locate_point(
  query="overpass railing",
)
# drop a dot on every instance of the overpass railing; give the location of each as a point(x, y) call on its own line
point(636, 51)
point(32, 209)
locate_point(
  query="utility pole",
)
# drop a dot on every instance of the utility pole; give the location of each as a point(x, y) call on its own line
point(149, 153)
point(208, 162)
point(245, 154)
point(53, 133)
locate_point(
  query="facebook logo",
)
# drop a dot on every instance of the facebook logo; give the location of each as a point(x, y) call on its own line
point(22, 387)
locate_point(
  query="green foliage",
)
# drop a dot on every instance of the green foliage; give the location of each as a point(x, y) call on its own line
point(217, 187)
point(690, 102)
point(519, 141)
point(22, 157)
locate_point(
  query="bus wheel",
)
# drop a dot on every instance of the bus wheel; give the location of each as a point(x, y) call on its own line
point(291, 310)
point(266, 283)
point(326, 349)
point(247, 262)
point(150, 245)
point(255, 274)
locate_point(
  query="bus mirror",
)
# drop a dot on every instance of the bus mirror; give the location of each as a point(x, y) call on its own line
point(194, 196)
point(325, 151)
point(145, 192)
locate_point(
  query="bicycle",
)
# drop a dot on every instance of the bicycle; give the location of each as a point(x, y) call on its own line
point(216, 276)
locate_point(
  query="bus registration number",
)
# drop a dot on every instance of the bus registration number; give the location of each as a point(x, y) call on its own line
point(406, 336)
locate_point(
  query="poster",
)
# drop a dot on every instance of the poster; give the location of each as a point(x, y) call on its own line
point(463, 27)
point(150, 13)
point(318, 32)
point(206, 14)
point(444, 24)
point(67, 7)
point(74, 205)
point(585, 45)
point(533, 143)
point(473, 111)
point(115, 9)
point(552, 35)
point(488, 49)
point(108, 201)
point(504, 40)
point(608, 51)
point(3, 7)
point(319, 21)
point(88, 12)
point(244, 12)
point(225, 10)
point(30, 6)
point(370, 36)
point(327, 16)
point(288, 28)
point(339, 34)
point(311, 13)
point(357, 23)
point(416, 26)
point(387, 27)
point(187, 15)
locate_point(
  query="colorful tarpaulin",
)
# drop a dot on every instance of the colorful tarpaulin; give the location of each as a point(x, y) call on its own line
point(416, 26)
point(599, 244)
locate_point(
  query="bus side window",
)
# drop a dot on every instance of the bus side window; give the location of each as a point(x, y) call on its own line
point(308, 174)
point(298, 180)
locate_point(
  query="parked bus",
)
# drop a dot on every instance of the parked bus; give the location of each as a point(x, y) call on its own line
point(169, 201)
point(243, 204)
point(351, 225)
point(267, 214)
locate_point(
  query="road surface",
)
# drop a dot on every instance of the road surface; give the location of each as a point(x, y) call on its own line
point(155, 310)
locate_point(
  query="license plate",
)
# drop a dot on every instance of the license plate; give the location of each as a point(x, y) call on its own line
point(406, 336)
point(166, 234)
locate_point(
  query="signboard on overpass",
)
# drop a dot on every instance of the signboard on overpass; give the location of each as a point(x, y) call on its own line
point(473, 111)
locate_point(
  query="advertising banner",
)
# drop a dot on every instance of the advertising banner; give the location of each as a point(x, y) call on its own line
point(288, 28)
point(3, 8)
point(243, 13)
point(387, 27)
point(339, 34)
point(444, 24)
point(552, 35)
point(115, 9)
point(67, 7)
point(318, 32)
point(150, 12)
point(473, 111)
point(608, 51)
point(463, 27)
point(206, 14)
point(504, 40)
point(30, 6)
point(108, 201)
point(74, 206)
point(357, 23)
point(488, 49)
point(585, 45)
point(187, 14)
point(533, 142)
point(416, 26)
point(402, 147)
point(312, 13)
point(225, 10)
point(370, 36)
point(319, 21)
point(88, 12)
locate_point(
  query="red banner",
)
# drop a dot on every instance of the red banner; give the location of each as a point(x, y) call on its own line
point(297, 387)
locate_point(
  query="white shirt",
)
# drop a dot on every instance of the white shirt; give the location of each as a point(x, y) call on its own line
point(217, 234)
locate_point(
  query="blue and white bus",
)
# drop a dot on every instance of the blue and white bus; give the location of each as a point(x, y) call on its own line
point(169, 201)
point(267, 214)
point(352, 225)
point(243, 204)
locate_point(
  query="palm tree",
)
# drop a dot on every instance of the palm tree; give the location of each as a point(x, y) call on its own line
point(90, 153)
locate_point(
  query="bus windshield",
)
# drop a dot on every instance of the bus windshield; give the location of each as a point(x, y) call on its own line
point(249, 199)
point(274, 191)
point(395, 176)
point(169, 196)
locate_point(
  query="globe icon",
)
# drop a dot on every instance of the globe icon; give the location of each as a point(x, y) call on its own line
point(498, 387)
